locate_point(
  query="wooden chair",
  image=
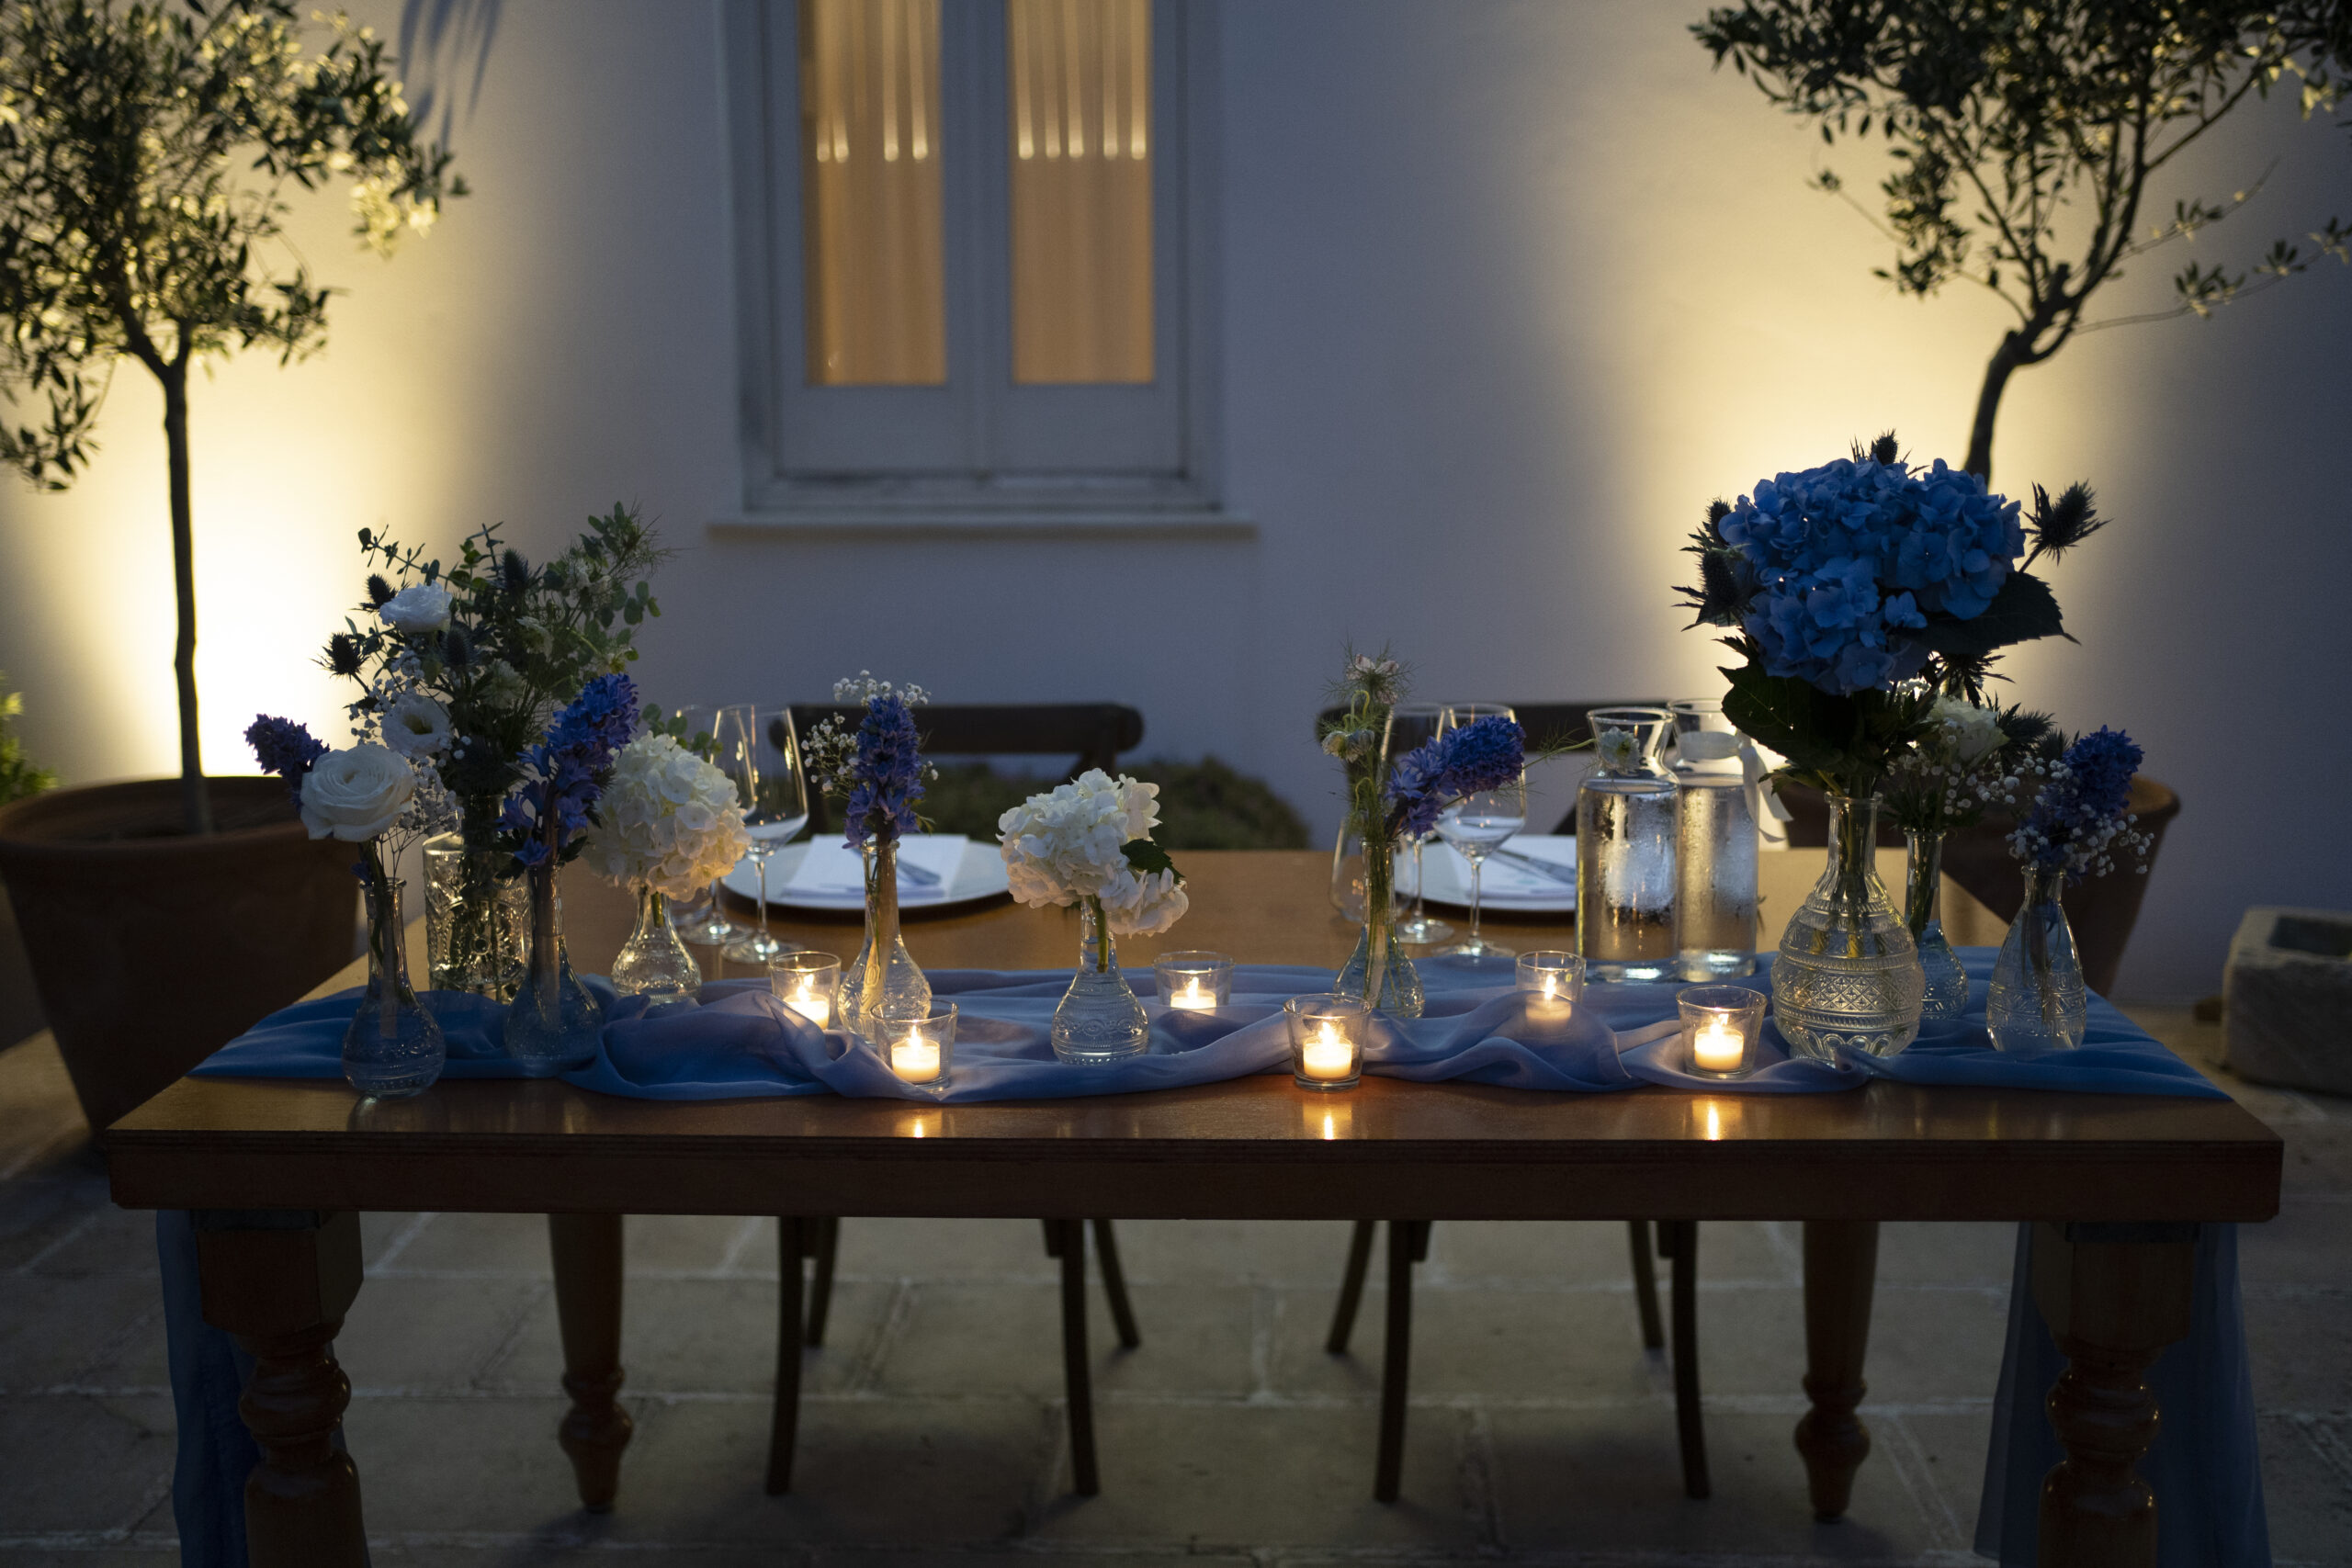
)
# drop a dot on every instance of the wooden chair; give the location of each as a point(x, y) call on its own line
point(1546, 724)
point(1096, 733)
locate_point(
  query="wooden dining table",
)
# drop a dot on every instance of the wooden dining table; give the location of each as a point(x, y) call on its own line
point(2115, 1185)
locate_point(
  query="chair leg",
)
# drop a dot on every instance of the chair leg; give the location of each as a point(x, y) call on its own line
point(821, 1284)
point(793, 1242)
point(1114, 1285)
point(1689, 1426)
point(1407, 1241)
point(1646, 1285)
point(1068, 1245)
point(1343, 1320)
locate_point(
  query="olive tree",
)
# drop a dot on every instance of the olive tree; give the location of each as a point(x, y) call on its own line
point(147, 153)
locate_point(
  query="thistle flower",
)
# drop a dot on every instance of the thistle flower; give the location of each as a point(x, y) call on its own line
point(513, 573)
point(379, 591)
point(342, 655)
point(2059, 525)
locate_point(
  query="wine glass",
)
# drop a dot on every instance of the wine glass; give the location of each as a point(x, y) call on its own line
point(760, 754)
point(708, 926)
point(1478, 824)
point(1409, 726)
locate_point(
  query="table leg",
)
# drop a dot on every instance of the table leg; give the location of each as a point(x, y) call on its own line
point(1068, 1245)
point(587, 1251)
point(2114, 1296)
point(1841, 1272)
point(281, 1282)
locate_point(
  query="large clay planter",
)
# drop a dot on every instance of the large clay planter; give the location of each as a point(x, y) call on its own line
point(152, 949)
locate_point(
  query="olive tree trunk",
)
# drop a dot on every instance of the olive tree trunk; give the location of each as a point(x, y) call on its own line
point(196, 802)
point(2005, 359)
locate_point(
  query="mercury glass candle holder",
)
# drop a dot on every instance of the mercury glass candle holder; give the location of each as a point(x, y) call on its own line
point(1327, 1035)
point(1553, 980)
point(918, 1044)
point(1194, 982)
point(808, 983)
point(1722, 1030)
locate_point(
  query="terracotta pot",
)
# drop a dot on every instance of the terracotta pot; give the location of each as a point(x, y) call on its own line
point(152, 949)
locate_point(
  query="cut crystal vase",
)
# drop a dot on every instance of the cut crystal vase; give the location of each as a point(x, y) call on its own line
point(1848, 976)
point(654, 962)
point(1098, 1020)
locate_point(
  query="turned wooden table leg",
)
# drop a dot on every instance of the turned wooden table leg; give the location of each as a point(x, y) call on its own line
point(280, 1281)
point(587, 1251)
point(2114, 1296)
point(1840, 1270)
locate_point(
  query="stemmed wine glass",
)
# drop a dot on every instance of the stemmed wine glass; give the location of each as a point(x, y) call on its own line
point(1479, 824)
point(1410, 725)
point(708, 927)
point(760, 754)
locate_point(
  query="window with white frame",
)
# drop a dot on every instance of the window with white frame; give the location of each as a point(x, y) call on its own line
point(972, 256)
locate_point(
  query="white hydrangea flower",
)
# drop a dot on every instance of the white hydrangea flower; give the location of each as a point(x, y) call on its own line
point(668, 819)
point(1071, 842)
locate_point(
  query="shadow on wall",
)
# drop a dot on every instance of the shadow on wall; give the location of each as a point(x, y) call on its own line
point(441, 43)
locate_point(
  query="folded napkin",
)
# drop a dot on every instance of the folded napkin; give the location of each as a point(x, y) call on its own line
point(1505, 880)
point(831, 871)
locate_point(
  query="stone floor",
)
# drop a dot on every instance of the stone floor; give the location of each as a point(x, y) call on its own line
point(1540, 1432)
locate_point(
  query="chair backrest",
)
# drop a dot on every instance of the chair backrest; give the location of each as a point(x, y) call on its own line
point(1095, 732)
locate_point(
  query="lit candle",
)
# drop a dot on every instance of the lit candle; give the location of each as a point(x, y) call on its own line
point(1195, 997)
point(1327, 1055)
point(1718, 1047)
point(915, 1058)
point(806, 1001)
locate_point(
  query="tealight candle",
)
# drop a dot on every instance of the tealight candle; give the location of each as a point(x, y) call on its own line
point(1552, 981)
point(915, 1058)
point(1194, 982)
point(1327, 1040)
point(807, 982)
point(917, 1044)
point(1721, 1024)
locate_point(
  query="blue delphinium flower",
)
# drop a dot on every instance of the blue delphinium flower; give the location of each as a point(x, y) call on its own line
point(1483, 754)
point(2080, 812)
point(568, 768)
point(1850, 559)
point(285, 748)
point(887, 777)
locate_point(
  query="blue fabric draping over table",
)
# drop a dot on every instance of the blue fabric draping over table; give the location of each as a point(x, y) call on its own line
point(742, 1043)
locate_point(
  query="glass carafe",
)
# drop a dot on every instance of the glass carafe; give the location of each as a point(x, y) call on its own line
point(1848, 975)
point(1715, 877)
point(1627, 822)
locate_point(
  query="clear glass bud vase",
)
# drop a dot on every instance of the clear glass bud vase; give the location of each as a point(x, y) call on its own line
point(393, 1048)
point(1098, 1020)
point(553, 1024)
point(654, 962)
point(1946, 997)
point(1379, 971)
point(1848, 975)
point(883, 977)
point(2037, 1001)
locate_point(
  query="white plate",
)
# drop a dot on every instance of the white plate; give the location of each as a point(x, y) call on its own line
point(978, 876)
point(1503, 886)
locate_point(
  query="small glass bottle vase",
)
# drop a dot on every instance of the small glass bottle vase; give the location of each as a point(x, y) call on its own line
point(2037, 1001)
point(1946, 997)
point(553, 1024)
point(393, 1048)
point(654, 962)
point(1379, 972)
point(1628, 820)
point(1848, 976)
point(883, 977)
point(1098, 1020)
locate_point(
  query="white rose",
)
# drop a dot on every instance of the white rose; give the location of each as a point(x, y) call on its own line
point(356, 793)
point(419, 608)
point(1974, 731)
point(416, 725)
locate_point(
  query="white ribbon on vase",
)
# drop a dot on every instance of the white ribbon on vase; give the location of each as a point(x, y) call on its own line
point(1764, 802)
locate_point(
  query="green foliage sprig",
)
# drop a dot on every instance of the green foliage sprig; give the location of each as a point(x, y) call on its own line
point(18, 777)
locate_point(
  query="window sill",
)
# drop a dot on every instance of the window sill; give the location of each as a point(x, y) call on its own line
point(935, 523)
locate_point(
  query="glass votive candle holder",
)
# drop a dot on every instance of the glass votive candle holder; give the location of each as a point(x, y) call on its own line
point(1194, 982)
point(1553, 980)
point(917, 1044)
point(1722, 1030)
point(807, 982)
point(1327, 1040)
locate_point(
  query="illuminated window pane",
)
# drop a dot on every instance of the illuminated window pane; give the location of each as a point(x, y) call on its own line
point(869, 156)
point(1080, 109)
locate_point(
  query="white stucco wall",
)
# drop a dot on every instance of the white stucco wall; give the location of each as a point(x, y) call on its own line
point(1510, 291)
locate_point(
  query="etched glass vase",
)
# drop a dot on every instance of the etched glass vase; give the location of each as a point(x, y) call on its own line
point(1946, 996)
point(883, 978)
point(1379, 971)
point(553, 1022)
point(1628, 818)
point(477, 922)
point(653, 963)
point(1098, 1020)
point(2037, 1001)
point(393, 1048)
point(1848, 976)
